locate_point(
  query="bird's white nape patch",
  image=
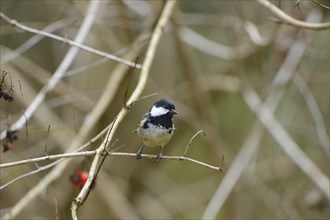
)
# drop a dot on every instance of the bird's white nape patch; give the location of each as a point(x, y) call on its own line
point(157, 111)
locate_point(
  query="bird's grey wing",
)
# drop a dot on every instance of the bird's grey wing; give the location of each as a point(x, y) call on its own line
point(143, 119)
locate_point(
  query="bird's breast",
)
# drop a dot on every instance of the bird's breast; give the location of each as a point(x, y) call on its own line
point(155, 135)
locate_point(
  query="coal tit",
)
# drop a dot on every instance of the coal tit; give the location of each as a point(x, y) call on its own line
point(156, 126)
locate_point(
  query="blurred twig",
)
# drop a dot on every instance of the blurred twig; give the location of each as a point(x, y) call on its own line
point(76, 43)
point(254, 34)
point(315, 112)
point(268, 120)
point(215, 49)
point(297, 4)
point(138, 43)
point(33, 40)
point(320, 4)
point(251, 144)
point(286, 19)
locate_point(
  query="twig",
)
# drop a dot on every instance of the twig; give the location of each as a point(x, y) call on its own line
point(41, 75)
point(213, 48)
point(322, 5)
point(20, 86)
point(128, 84)
point(92, 153)
point(138, 43)
point(192, 138)
point(39, 169)
point(46, 144)
point(56, 208)
point(45, 158)
point(315, 112)
point(34, 40)
point(113, 153)
point(181, 158)
point(74, 43)
point(221, 164)
point(254, 34)
point(141, 98)
point(27, 138)
point(287, 19)
point(297, 4)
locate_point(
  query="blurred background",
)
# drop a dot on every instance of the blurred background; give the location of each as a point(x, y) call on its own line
point(209, 53)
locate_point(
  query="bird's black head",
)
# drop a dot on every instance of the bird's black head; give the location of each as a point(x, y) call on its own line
point(163, 106)
point(161, 114)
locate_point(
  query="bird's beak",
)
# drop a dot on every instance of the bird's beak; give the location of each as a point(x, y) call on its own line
point(174, 112)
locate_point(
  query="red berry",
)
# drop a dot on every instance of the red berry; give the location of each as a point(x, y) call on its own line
point(83, 176)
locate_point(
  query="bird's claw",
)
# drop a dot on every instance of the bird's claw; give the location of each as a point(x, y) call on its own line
point(159, 156)
point(138, 155)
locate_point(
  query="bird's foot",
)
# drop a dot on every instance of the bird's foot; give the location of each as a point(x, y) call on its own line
point(139, 155)
point(159, 156)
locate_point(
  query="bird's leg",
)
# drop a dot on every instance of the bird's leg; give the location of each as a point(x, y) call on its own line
point(139, 153)
point(159, 156)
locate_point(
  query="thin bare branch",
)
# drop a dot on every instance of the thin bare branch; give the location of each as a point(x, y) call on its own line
point(141, 98)
point(320, 4)
point(56, 208)
point(151, 156)
point(297, 4)
point(130, 75)
point(254, 34)
point(34, 40)
point(192, 138)
point(287, 19)
point(111, 153)
point(213, 48)
point(315, 112)
point(74, 43)
point(39, 169)
point(47, 157)
point(46, 144)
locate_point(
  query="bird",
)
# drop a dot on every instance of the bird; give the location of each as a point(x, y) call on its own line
point(156, 127)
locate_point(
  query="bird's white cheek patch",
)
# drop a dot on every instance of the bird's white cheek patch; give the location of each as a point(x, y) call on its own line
point(157, 111)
